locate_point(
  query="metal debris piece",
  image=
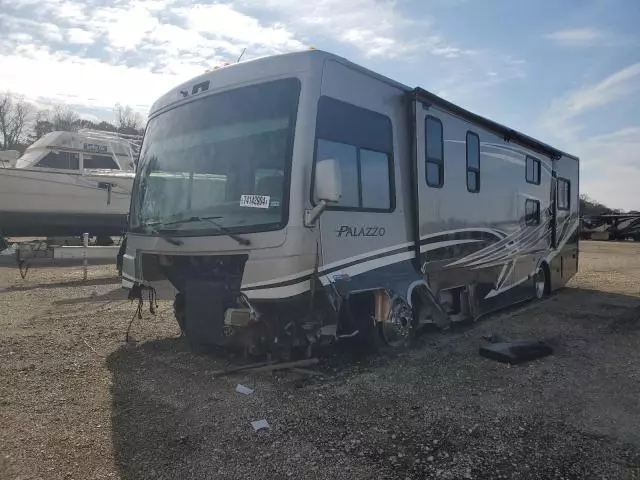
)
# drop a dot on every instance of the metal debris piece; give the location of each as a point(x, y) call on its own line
point(307, 362)
point(259, 425)
point(226, 371)
point(244, 390)
point(515, 352)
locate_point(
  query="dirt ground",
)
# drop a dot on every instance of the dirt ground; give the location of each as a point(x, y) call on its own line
point(76, 402)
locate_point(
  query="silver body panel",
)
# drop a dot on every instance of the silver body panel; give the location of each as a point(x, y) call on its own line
point(464, 238)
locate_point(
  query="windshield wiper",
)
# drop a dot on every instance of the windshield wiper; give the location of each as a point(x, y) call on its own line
point(211, 220)
point(173, 241)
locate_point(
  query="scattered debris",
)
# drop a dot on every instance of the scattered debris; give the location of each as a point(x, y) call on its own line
point(226, 371)
point(288, 365)
point(244, 390)
point(259, 425)
point(515, 352)
point(271, 366)
point(305, 371)
point(92, 349)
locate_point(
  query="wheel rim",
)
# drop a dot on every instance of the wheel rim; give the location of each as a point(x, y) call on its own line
point(396, 329)
point(540, 283)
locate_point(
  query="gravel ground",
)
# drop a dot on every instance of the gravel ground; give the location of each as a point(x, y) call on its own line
point(77, 402)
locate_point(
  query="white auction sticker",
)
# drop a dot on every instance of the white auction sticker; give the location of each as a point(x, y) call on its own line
point(255, 201)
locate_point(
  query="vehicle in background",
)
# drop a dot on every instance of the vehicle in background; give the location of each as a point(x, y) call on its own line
point(8, 158)
point(612, 226)
point(69, 183)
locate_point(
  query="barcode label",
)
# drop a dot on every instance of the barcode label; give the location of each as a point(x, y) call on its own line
point(254, 201)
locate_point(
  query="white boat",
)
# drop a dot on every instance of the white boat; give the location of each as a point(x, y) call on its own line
point(69, 183)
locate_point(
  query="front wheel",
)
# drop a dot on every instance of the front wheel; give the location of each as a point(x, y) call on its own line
point(398, 329)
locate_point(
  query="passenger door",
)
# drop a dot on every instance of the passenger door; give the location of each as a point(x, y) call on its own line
point(567, 204)
point(361, 233)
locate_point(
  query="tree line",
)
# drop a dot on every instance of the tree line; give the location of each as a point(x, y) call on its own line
point(21, 123)
point(589, 206)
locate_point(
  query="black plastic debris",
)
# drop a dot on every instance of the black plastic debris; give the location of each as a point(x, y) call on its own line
point(515, 352)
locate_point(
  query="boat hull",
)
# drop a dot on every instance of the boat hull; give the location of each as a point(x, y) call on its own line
point(49, 203)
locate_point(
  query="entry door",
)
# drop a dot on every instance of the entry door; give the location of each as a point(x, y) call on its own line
point(567, 205)
point(428, 165)
point(366, 220)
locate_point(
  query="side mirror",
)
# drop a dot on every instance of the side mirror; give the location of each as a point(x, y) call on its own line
point(328, 188)
point(328, 184)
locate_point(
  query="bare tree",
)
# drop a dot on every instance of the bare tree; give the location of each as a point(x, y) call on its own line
point(15, 113)
point(128, 121)
point(65, 119)
point(41, 125)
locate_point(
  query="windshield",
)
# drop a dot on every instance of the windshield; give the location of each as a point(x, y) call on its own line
point(225, 157)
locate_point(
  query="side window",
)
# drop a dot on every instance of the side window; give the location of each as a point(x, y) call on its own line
point(532, 212)
point(533, 170)
point(563, 194)
point(434, 151)
point(99, 161)
point(361, 141)
point(473, 162)
point(61, 160)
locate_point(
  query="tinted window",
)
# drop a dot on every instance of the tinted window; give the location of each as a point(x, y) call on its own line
point(532, 212)
point(374, 176)
point(61, 160)
point(533, 170)
point(564, 194)
point(361, 141)
point(434, 152)
point(99, 161)
point(473, 162)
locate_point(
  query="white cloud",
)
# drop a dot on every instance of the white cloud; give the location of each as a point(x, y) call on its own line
point(81, 81)
point(223, 21)
point(376, 28)
point(142, 55)
point(577, 37)
point(610, 162)
point(125, 28)
point(156, 43)
point(558, 120)
point(79, 36)
point(47, 31)
point(612, 88)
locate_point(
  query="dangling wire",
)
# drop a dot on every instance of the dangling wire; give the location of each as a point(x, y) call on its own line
point(153, 301)
point(153, 305)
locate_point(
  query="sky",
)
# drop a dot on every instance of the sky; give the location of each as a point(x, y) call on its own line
point(564, 71)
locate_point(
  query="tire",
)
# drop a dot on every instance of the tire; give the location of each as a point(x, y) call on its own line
point(380, 337)
point(398, 331)
point(179, 313)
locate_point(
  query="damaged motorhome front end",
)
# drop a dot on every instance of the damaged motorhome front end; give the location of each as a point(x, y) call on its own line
point(300, 197)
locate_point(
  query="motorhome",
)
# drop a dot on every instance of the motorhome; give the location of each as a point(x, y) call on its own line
point(69, 183)
point(301, 197)
point(611, 226)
